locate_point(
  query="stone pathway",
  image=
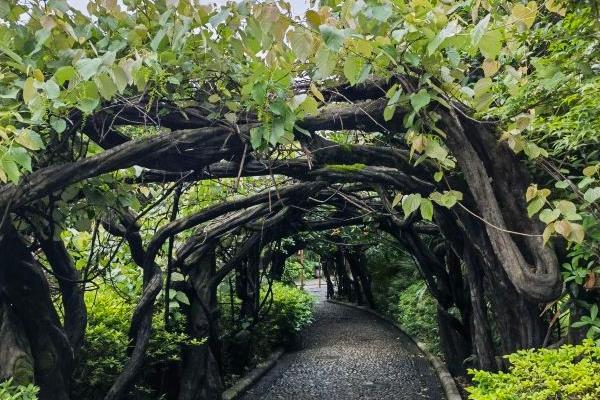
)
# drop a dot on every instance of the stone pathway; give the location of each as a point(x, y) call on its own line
point(349, 354)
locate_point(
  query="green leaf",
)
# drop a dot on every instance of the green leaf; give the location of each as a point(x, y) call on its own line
point(479, 30)
point(177, 277)
point(426, 209)
point(259, 92)
point(388, 112)
point(51, 89)
point(534, 206)
point(310, 106)
point(58, 124)
point(219, 18)
point(11, 54)
point(21, 157)
point(592, 194)
point(353, 69)
point(64, 74)
point(88, 67)
point(449, 30)
point(29, 90)
point(562, 184)
point(325, 61)
point(302, 130)
point(397, 199)
point(548, 216)
point(119, 78)
point(381, 13)
point(10, 93)
point(525, 14)
point(10, 169)
point(41, 36)
point(61, 5)
point(568, 210)
point(411, 203)
point(434, 150)
point(332, 37)
point(29, 139)
point(89, 98)
point(106, 86)
point(277, 131)
point(491, 44)
point(594, 312)
point(420, 99)
point(160, 35)
point(447, 199)
point(182, 298)
point(256, 135)
point(301, 42)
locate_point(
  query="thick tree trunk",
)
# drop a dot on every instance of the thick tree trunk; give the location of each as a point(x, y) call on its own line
point(16, 361)
point(201, 378)
point(280, 255)
point(327, 264)
point(357, 264)
point(246, 280)
point(344, 283)
point(24, 286)
point(253, 282)
point(75, 312)
point(480, 327)
point(531, 267)
point(455, 347)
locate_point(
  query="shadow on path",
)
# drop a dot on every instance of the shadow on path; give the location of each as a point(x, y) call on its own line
point(349, 354)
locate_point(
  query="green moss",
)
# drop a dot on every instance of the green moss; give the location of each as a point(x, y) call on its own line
point(346, 147)
point(345, 167)
point(23, 371)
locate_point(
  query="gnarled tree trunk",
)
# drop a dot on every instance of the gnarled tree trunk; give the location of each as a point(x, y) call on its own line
point(25, 288)
point(201, 378)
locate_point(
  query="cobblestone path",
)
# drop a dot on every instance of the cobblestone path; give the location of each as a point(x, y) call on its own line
point(349, 354)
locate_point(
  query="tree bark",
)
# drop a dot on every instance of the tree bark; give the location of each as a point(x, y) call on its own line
point(16, 361)
point(201, 378)
point(75, 311)
point(481, 332)
point(357, 262)
point(24, 286)
point(536, 276)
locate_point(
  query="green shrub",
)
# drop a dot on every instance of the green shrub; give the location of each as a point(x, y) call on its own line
point(293, 269)
point(104, 352)
point(417, 314)
point(392, 271)
point(292, 309)
point(246, 344)
point(569, 373)
point(9, 391)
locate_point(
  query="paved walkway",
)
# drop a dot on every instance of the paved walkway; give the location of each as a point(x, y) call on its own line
point(349, 354)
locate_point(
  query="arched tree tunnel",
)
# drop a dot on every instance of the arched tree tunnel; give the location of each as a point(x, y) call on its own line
point(179, 155)
point(477, 250)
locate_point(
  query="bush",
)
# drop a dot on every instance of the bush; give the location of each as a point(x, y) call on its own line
point(417, 314)
point(292, 309)
point(245, 344)
point(9, 391)
point(400, 293)
point(392, 271)
point(104, 352)
point(293, 269)
point(569, 373)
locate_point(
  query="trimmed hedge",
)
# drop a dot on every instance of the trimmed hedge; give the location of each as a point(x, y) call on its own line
point(566, 373)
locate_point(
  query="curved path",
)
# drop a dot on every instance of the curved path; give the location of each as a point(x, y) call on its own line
point(349, 354)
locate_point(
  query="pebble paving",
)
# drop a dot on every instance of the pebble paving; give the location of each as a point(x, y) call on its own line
point(349, 354)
